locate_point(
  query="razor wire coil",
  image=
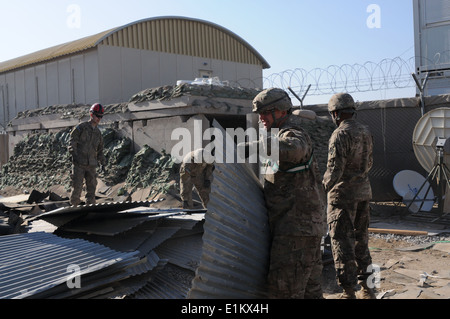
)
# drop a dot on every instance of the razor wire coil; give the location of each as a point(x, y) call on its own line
point(370, 76)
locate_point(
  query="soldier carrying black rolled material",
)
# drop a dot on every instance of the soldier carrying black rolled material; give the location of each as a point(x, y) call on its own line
point(347, 184)
point(86, 148)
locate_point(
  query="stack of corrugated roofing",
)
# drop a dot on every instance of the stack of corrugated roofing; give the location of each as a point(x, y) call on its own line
point(131, 250)
point(115, 250)
point(37, 263)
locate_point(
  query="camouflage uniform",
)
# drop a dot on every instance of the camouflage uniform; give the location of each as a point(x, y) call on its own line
point(195, 174)
point(348, 190)
point(295, 203)
point(86, 148)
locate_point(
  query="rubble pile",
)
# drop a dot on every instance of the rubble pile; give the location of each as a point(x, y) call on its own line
point(39, 161)
point(152, 169)
point(42, 160)
point(70, 110)
point(169, 92)
point(119, 157)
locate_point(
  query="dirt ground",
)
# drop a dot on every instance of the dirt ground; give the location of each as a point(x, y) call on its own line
point(406, 267)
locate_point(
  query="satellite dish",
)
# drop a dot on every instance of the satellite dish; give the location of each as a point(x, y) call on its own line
point(407, 184)
point(431, 143)
point(430, 127)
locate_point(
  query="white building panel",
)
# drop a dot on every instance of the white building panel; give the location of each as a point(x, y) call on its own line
point(229, 72)
point(78, 78)
point(41, 76)
point(52, 83)
point(110, 74)
point(10, 95)
point(151, 69)
point(3, 107)
point(131, 65)
point(19, 88)
point(185, 68)
point(30, 89)
point(91, 81)
point(168, 63)
point(64, 82)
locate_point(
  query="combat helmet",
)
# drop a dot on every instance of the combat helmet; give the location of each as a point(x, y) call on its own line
point(341, 101)
point(97, 109)
point(271, 99)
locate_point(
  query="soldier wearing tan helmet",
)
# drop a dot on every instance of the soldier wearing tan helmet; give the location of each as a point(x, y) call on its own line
point(347, 184)
point(196, 170)
point(86, 149)
point(295, 203)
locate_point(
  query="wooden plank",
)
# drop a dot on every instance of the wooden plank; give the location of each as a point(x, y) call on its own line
point(398, 231)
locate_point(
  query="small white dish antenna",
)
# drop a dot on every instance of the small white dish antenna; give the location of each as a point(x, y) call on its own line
point(407, 184)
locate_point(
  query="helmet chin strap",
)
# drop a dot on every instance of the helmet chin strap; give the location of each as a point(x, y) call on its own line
point(276, 122)
point(337, 119)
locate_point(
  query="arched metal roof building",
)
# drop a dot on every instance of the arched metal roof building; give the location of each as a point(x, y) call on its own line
point(111, 66)
point(177, 35)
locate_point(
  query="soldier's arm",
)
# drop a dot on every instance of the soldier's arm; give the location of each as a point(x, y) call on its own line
point(337, 159)
point(293, 148)
point(209, 172)
point(100, 156)
point(74, 139)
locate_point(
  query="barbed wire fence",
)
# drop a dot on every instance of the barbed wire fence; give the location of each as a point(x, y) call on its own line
point(387, 74)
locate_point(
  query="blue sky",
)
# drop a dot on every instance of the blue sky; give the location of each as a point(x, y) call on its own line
point(289, 34)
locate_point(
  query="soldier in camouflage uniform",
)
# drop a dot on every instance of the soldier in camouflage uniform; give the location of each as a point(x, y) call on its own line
point(86, 148)
point(348, 190)
point(195, 170)
point(295, 201)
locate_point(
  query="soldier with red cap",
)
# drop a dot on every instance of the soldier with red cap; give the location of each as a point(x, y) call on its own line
point(86, 148)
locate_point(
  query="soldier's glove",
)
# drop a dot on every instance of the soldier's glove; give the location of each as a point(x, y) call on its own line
point(247, 149)
point(261, 147)
point(268, 143)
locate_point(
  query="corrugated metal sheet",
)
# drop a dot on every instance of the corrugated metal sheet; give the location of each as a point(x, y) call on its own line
point(184, 252)
point(165, 286)
point(236, 244)
point(178, 35)
point(63, 215)
point(34, 262)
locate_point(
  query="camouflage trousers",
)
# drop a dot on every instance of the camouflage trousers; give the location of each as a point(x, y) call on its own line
point(187, 182)
point(79, 174)
point(348, 228)
point(295, 268)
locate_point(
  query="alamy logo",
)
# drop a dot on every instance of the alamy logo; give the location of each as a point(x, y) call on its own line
point(74, 19)
point(374, 19)
point(373, 281)
point(253, 146)
point(73, 280)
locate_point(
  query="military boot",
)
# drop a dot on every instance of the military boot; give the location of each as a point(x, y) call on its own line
point(365, 292)
point(348, 293)
point(186, 205)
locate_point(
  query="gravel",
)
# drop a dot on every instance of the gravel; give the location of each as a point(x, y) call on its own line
point(415, 240)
